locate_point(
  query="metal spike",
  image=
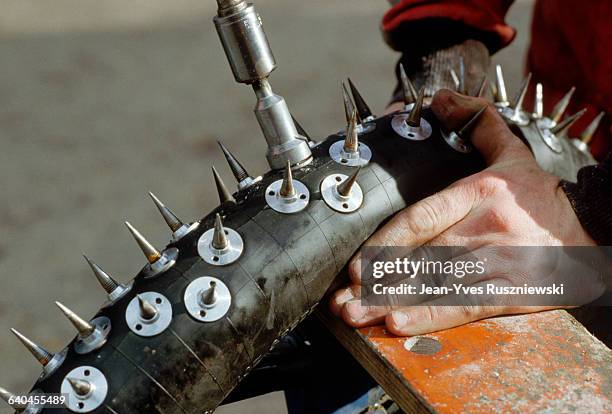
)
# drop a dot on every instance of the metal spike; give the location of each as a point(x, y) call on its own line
point(224, 195)
point(9, 396)
point(518, 103)
point(237, 169)
point(80, 387)
point(538, 106)
point(561, 106)
point(209, 296)
point(589, 132)
point(151, 253)
point(41, 354)
point(300, 129)
point(345, 187)
point(410, 94)
point(469, 125)
point(563, 127)
point(414, 118)
point(147, 310)
point(287, 189)
point(362, 107)
point(348, 103)
point(482, 88)
point(501, 96)
point(219, 240)
point(83, 327)
point(108, 283)
point(169, 217)
point(455, 79)
point(351, 141)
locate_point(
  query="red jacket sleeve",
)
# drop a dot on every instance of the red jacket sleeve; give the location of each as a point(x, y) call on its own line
point(482, 16)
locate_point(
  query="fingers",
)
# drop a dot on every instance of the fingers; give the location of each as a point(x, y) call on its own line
point(342, 296)
point(490, 135)
point(356, 315)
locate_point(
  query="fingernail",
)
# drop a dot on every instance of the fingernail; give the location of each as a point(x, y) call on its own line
point(344, 296)
point(400, 319)
point(355, 310)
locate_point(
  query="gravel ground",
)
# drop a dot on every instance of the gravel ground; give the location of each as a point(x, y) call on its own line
point(102, 101)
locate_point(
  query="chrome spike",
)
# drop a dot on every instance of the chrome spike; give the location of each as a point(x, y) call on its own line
point(83, 327)
point(518, 103)
point(287, 189)
point(224, 195)
point(589, 132)
point(41, 354)
point(108, 283)
point(362, 107)
point(414, 118)
point(9, 396)
point(351, 142)
point(345, 187)
point(349, 108)
point(501, 96)
point(209, 296)
point(169, 217)
point(561, 106)
point(80, 387)
point(563, 127)
point(465, 130)
point(219, 240)
point(151, 253)
point(240, 173)
point(538, 106)
point(147, 310)
point(410, 93)
point(482, 88)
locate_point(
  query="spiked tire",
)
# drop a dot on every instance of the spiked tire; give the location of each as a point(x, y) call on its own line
point(204, 310)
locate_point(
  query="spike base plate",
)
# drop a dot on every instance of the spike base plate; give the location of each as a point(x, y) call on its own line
point(401, 128)
point(149, 327)
point(581, 146)
point(183, 231)
point(457, 143)
point(520, 118)
point(364, 128)
point(287, 205)
point(334, 200)
point(97, 339)
point(165, 262)
point(200, 311)
point(217, 257)
point(94, 399)
point(357, 159)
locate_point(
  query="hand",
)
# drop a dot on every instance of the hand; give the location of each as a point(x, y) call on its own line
point(511, 203)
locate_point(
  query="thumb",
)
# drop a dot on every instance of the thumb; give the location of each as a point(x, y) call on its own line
point(490, 134)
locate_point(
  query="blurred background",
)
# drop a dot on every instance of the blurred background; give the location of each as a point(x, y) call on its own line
point(102, 101)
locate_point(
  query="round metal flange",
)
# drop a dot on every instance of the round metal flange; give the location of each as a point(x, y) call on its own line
point(457, 143)
point(350, 159)
point(96, 395)
point(287, 205)
point(550, 140)
point(520, 118)
point(165, 262)
point(118, 293)
point(581, 146)
point(218, 257)
point(401, 128)
point(183, 231)
point(195, 305)
point(155, 325)
point(54, 364)
point(545, 123)
point(97, 339)
point(329, 192)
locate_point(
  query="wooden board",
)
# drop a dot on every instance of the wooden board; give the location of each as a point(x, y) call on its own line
point(543, 362)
